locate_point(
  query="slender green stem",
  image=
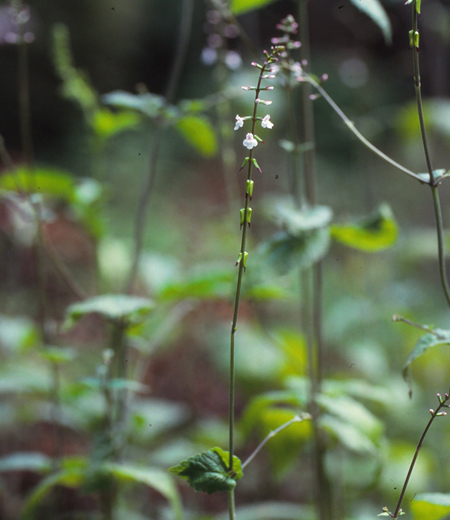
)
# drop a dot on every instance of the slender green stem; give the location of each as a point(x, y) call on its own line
point(432, 182)
point(434, 414)
point(440, 241)
point(271, 435)
point(351, 126)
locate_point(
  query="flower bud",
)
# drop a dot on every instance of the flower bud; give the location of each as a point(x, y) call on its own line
point(249, 188)
point(241, 217)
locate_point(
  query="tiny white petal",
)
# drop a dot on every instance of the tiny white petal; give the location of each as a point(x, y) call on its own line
point(250, 142)
point(239, 122)
point(266, 122)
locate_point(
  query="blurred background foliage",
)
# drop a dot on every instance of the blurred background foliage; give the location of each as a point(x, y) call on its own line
point(98, 74)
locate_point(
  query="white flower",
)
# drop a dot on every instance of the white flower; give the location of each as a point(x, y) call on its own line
point(250, 142)
point(266, 122)
point(239, 122)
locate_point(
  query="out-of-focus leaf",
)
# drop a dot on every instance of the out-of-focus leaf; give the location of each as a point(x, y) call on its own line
point(283, 212)
point(286, 252)
point(17, 333)
point(432, 339)
point(107, 123)
point(432, 506)
point(436, 114)
point(377, 232)
point(208, 471)
point(114, 307)
point(117, 384)
point(58, 355)
point(211, 283)
point(48, 181)
point(199, 133)
point(284, 447)
point(375, 10)
point(347, 434)
point(152, 477)
point(151, 105)
point(36, 462)
point(242, 6)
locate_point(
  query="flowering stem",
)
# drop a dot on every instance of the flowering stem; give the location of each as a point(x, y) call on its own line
point(242, 265)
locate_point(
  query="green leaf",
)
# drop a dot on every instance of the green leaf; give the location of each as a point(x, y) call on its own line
point(208, 471)
point(113, 307)
point(148, 104)
point(152, 477)
point(432, 506)
point(59, 355)
point(286, 252)
point(429, 340)
point(209, 283)
point(199, 133)
point(283, 212)
point(107, 123)
point(376, 232)
point(375, 10)
point(242, 6)
point(36, 462)
point(47, 181)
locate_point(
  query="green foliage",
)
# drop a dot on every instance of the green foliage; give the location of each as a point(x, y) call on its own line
point(106, 123)
point(375, 10)
point(209, 471)
point(304, 238)
point(436, 338)
point(242, 6)
point(113, 307)
point(432, 506)
point(199, 133)
point(36, 462)
point(374, 233)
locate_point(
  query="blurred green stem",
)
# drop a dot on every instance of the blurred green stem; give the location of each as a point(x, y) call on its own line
point(312, 284)
point(187, 9)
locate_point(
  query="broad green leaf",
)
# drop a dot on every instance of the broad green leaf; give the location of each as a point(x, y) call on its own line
point(348, 434)
point(107, 123)
point(208, 471)
point(242, 6)
point(437, 338)
point(199, 133)
point(152, 477)
point(36, 462)
point(375, 10)
point(377, 232)
point(211, 283)
point(151, 105)
point(436, 116)
point(113, 307)
point(286, 252)
point(430, 506)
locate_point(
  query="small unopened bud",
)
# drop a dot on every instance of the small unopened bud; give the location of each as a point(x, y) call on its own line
point(244, 259)
point(241, 217)
point(249, 218)
point(441, 414)
point(431, 411)
point(324, 77)
point(250, 188)
point(238, 260)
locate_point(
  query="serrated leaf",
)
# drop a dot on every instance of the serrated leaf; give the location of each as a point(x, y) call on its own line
point(208, 471)
point(242, 6)
point(151, 477)
point(432, 506)
point(36, 462)
point(375, 10)
point(377, 232)
point(429, 340)
point(113, 307)
point(199, 133)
